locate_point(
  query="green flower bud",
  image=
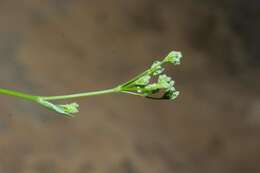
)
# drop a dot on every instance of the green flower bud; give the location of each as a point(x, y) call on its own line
point(165, 82)
point(67, 109)
point(174, 57)
point(171, 94)
point(156, 68)
point(143, 80)
point(70, 108)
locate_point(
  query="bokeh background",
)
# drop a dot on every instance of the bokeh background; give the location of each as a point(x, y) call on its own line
point(51, 47)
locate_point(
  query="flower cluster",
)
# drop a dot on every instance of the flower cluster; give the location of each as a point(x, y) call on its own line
point(142, 85)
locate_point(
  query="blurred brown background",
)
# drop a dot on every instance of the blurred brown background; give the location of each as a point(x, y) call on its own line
point(62, 46)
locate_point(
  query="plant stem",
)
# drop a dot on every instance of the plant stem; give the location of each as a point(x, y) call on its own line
point(148, 71)
point(18, 94)
point(86, 94)
point(62, 97)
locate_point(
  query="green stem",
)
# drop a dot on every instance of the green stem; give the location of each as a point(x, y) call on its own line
point(62, 97)
point(133, 93)
point(148, 71)
point(86, 94)
point(18, 94)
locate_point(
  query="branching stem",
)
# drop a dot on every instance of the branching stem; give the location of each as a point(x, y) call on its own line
point(140, 85)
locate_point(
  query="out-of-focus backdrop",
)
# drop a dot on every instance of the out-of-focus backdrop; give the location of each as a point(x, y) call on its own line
point(62, 46)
